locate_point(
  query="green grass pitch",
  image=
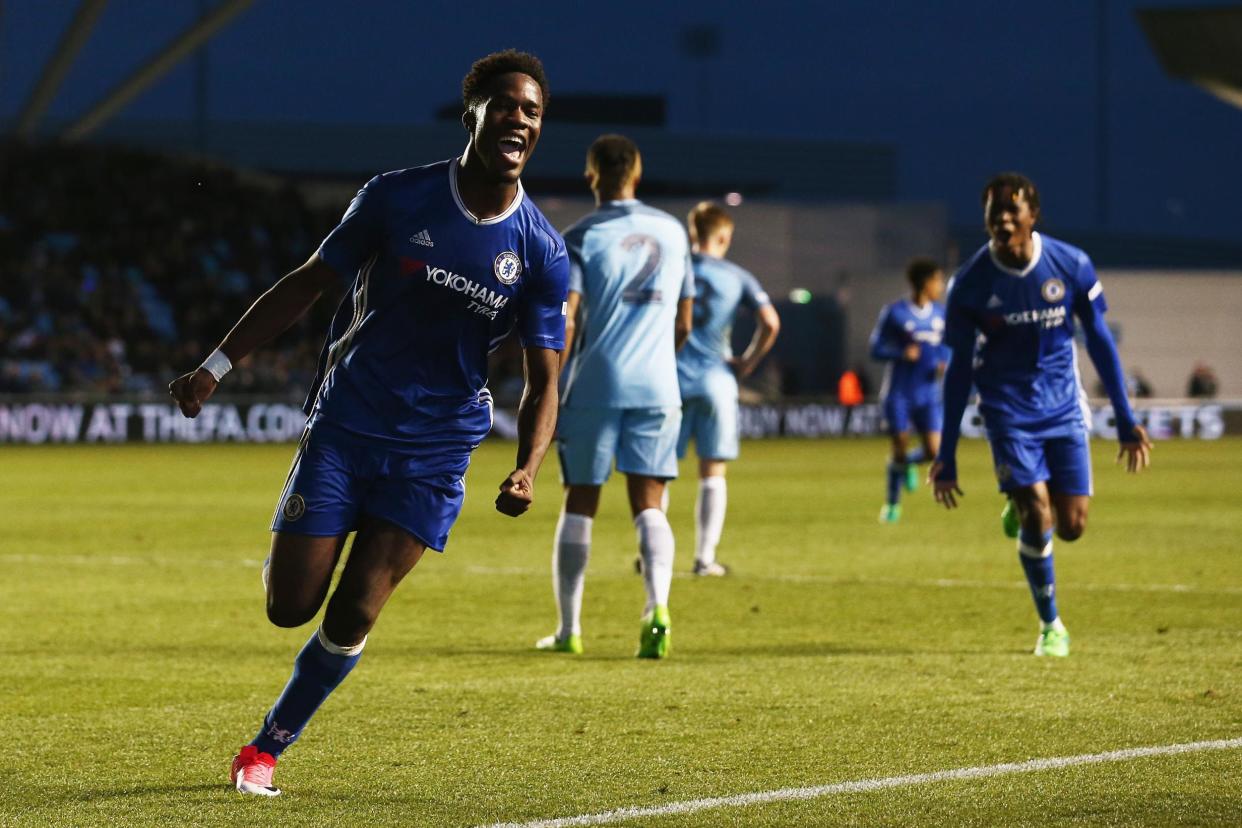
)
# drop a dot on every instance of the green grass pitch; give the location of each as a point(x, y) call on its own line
point(135, 657)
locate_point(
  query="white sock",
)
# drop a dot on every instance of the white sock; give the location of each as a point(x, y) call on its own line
point(570, 550)
point(709, 516)
point(664, 501)
point(655, 545)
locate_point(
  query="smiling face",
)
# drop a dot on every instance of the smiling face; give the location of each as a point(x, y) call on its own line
point(504, 127)
point(1009, 217)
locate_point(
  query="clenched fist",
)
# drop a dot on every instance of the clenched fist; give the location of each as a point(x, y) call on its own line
point(517, 493)
point(192, 390)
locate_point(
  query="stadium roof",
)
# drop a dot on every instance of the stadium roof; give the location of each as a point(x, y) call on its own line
point(1199, 45)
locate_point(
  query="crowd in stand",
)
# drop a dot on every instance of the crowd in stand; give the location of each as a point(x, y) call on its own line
point(120, 269)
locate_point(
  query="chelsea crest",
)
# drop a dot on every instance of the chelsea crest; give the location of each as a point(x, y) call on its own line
point(508, 267)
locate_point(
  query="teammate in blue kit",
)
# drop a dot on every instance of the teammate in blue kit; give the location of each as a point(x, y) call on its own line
point(1010, 325)
point(631, 295)
point(707, 371)
point(443, 261)
point(908, 337)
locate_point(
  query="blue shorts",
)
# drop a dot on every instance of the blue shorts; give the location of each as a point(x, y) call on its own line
point(711, 419)
point(1022, 460)
point(642, 440)
point(901, 412)
point(336, 478)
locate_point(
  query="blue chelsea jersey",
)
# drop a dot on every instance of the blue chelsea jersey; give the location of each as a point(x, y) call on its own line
point(901, 324)
point(720, 288)
point(631, 263)
point(434, 290)
point(1021, 327)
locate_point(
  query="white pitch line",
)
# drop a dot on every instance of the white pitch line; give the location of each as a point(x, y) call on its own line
point(864, 785)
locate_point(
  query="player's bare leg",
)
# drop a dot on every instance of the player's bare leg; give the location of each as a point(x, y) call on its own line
point(382, 555)
point(297, 575)
point(571, 549)
point(1035, 509)
point(656, 547)
point(709, 517)
point(1071, 515)
point(301, 571)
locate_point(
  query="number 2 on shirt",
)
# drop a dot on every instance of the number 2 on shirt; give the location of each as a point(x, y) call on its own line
point(639, 291)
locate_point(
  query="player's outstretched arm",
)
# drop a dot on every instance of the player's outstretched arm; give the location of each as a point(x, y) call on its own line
point(1135, 445)
point(536, 425)
point(271, 314)
point(766, 330)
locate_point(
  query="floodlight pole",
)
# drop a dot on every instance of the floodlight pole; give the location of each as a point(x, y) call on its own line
point(144, 76)
point(54, 71)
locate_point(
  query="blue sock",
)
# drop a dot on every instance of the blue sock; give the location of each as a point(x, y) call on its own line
point(1039, 573)
point(896, 476)
point(916, 456)
point(316, 673)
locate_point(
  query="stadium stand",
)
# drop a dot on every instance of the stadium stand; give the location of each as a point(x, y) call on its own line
point(120, 267)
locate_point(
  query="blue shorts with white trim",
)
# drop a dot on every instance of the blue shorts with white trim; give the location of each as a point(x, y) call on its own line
point(1064, 462)
point(337, 478)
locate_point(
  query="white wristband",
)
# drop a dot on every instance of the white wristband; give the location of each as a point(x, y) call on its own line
point(217, 364)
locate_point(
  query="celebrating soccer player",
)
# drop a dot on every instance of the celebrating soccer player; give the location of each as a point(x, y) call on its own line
point(907, 337)
point(708, 372)
point(632, 287)
point(1017, 296)
point(442, 261)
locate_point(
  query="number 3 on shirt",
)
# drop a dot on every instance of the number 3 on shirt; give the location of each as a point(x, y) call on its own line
point(639, 290)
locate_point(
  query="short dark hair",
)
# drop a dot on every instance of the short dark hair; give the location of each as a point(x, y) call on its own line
point(705, 219)
point(1014, 181)
point(613, 159)
point(474, 87)
point(920, 269)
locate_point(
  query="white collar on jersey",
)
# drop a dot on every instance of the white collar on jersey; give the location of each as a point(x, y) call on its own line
point(923, 312)
point(461, 205)
point(620, 202)
point(1039, 250)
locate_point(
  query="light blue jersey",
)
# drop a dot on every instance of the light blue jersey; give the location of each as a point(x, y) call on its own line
point(720, 288)
point(631, 264)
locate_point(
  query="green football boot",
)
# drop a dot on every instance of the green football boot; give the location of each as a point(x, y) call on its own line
point(1053, 643)
point(890, 513)
point(1011, 524)
point(653, 641)
point(552, 644)
point(912, 477)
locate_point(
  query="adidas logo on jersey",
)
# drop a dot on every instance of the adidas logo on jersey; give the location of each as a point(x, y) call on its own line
point(995, 301)
point(424, 238)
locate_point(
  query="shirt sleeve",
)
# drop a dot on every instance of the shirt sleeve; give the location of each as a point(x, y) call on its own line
point(687, 282)
point(1090, 307)
point(959, 335)
point(1088, 293)
point(360, 233)
point(884, 346)
point(960, 320)
point(541, 319)
point(753, 294)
